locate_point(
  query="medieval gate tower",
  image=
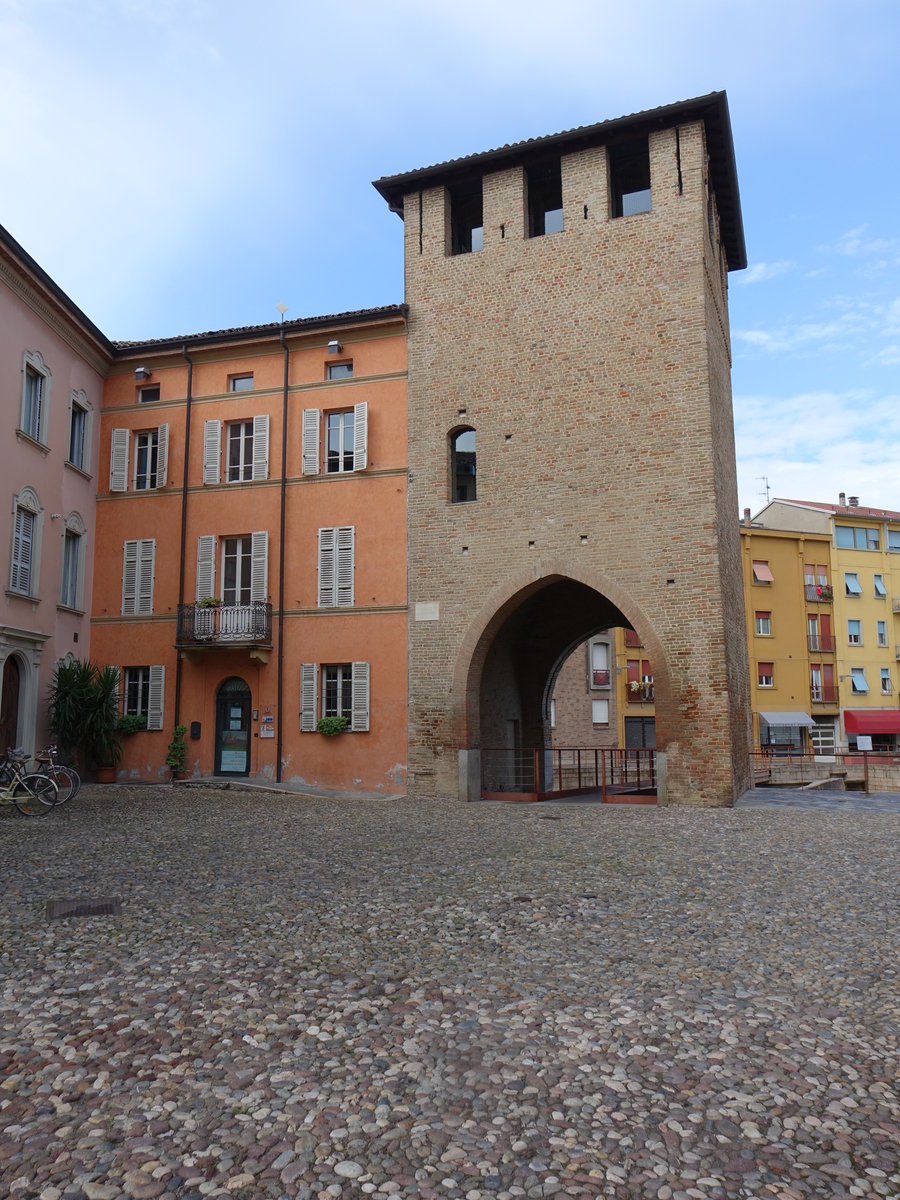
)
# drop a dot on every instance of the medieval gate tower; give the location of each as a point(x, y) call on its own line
point(571, 447)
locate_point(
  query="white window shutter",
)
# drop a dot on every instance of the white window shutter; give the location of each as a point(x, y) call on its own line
point(326, 568)
point(308, 672)
point(310, 441)
point(344, 592)
point(146, 562)
point(259, 566)
point(360, 436)
point(359, 703)
point(156, 697)
point(118, 461)
point(120, 699)
point(212, 450)
point(162, 455)
point(261, 446)
point(206, 566)
point(129, 579)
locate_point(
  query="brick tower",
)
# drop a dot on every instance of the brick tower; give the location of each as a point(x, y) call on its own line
point(571, 446)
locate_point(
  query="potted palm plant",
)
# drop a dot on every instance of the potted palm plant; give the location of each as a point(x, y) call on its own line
point(84, 715)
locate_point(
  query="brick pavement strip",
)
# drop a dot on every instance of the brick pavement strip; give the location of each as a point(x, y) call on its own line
point(304, 997)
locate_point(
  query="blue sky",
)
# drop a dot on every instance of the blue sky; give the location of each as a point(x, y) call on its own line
point(181, 165)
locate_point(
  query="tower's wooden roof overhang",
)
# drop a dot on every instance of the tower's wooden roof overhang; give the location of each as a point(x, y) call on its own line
point(711, 109)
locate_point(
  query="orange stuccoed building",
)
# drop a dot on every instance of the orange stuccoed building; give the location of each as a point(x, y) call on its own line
point(250, 559)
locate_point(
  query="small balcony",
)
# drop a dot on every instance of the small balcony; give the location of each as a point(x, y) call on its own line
point(819, 593)
point(895, 604)
point(823, 693)
point(600, 677)
point(820, 643)
point(640, 691)
point(221, 627)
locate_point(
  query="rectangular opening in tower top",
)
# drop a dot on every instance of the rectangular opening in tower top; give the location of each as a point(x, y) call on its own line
point(629, 177)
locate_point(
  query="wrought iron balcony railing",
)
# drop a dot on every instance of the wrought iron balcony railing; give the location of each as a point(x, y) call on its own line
point(824, 693)
point(819, 592)
point(224, 625)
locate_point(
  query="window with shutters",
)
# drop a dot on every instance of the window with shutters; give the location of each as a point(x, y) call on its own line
point(137, 577)
point(336, 551)
point(151, 458)
point(338, 442)
point(25, 554)
point(137, 691)
point(145, 693)
point(79, 431)
point(242, 562)
point(33, 417)
point(334, 690)
point(236, 570)
point(240, 451)
point(346, 440)
point(146, 460)
point(246, 450)
point(337, 691)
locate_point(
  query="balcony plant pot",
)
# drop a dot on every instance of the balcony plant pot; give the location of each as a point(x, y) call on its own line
point(106, 774)
point(331, 726)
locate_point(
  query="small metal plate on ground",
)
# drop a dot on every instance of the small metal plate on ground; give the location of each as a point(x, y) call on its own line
point(102, 906)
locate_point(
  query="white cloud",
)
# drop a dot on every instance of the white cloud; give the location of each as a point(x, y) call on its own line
point(763, 271)
point(854, 242)
point(833, 334)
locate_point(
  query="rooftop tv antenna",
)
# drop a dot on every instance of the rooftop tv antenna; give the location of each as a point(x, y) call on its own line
point(765, 493)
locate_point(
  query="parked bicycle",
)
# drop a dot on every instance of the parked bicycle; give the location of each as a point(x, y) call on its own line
point(33, 793)
point(67, 779)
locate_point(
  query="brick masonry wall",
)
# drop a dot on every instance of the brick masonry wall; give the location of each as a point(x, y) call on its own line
point(574, 725)
point(593, 364)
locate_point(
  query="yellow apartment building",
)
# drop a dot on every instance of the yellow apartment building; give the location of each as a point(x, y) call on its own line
point(788, 604)
point(858, 588)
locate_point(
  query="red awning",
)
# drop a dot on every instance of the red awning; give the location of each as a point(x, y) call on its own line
point(873, 720)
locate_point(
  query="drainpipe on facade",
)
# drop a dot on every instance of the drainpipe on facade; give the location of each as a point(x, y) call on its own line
point(280, 652)
point(184, 496)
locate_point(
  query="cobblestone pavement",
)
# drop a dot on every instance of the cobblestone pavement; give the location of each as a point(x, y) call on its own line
point(303, 997)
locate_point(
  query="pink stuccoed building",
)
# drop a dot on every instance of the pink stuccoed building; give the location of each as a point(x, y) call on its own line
point(52, 362)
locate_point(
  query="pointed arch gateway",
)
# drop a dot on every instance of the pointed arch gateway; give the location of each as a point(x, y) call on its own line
point(514, 649)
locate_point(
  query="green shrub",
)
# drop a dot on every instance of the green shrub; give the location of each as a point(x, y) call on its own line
point(331, 726)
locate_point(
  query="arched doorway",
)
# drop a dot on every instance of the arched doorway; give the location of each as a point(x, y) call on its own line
point(233, 727)
point(511, 675)
point(9, 704)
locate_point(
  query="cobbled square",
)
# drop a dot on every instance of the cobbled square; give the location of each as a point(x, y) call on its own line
point(338, 998)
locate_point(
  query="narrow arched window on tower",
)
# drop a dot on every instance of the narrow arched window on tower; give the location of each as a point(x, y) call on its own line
point(462, 465)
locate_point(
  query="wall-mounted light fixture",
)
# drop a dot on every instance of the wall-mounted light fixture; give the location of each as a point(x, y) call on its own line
point(334, 346)
point(142, 373)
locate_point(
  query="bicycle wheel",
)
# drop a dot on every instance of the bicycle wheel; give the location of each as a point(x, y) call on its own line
point(67, 781)
point(35, 795)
